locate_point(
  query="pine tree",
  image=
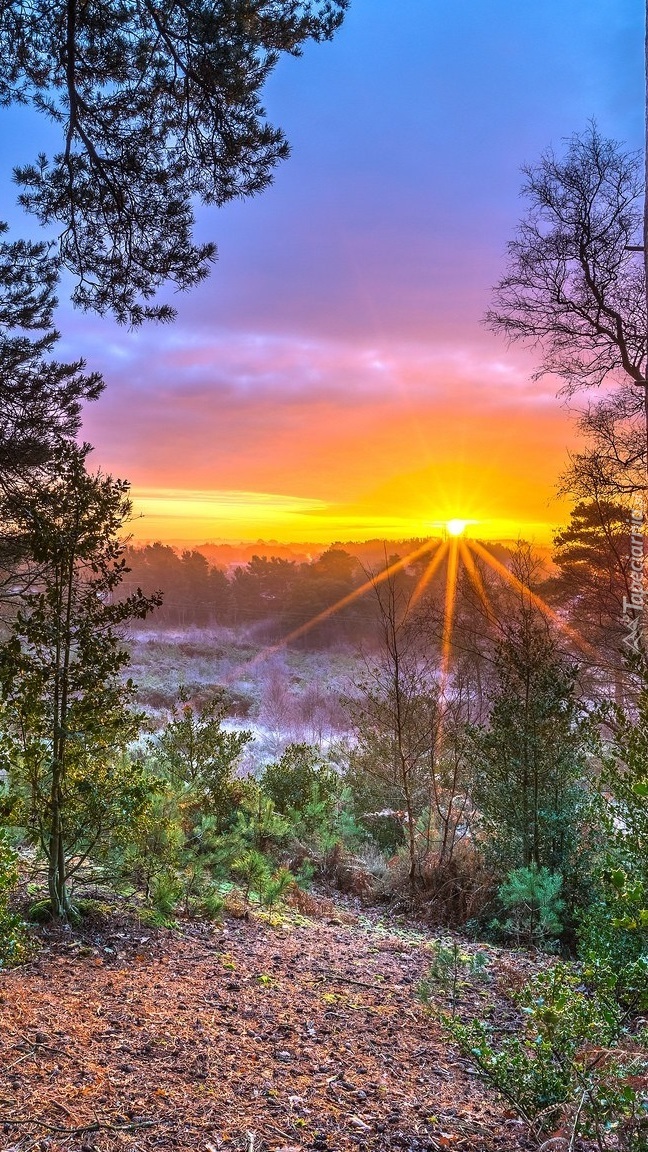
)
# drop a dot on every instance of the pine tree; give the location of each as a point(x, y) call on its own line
point(66, 709)
point(158, 105)
point(531, 758)
point(40, 399)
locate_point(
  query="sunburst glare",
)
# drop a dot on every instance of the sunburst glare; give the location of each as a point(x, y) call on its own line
point(448, 611)
point(430, 571)
point(455, 549)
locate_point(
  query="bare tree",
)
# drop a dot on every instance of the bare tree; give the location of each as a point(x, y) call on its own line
point(612, 465)
point(395, 713)
point(575, 288)
point(449, 804)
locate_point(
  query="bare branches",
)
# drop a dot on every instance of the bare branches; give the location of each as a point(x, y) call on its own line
point(81, 1130)
point(613, 465)
point(574, 286)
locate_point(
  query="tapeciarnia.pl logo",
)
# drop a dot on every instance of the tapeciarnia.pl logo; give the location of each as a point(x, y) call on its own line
point(634, 604)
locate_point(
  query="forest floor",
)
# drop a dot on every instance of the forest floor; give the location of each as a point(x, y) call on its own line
point(250, 1037)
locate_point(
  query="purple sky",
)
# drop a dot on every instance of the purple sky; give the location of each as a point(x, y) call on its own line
point(336, 356)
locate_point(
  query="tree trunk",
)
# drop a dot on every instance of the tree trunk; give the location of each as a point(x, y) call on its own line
point(411, 829)
point(56, 882)
point(645, 629)
point(56, 871)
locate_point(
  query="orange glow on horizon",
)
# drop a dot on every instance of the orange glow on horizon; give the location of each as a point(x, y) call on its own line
point(334, 440)
point(188, 518)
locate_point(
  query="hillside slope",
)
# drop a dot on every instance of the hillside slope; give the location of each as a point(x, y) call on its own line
point(249, 1038)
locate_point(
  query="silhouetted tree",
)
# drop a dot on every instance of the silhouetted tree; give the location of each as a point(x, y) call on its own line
point(575, 287)
point(261, 588)
point(612, 464)
point(594, 576)
point(321, 584)
point(40, 399)
point(157, 104)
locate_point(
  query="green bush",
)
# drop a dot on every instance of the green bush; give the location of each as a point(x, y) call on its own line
point(189, 890)
point(571, 1063)
point(531, 896)
point(613, 944)
point(530, 761)
point(617, 927)
point(258, 878)
point(211, 903)
point(14, 943)
point(198, 756)
point(276, 886)
point(256, 825)
point(308, 793)
point(157, 842)
point(299, 778)
point(166, 891)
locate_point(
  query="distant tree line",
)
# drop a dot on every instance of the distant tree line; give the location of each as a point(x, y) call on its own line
point(275, 595)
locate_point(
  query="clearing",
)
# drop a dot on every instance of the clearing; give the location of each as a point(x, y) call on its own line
point(247, 1037)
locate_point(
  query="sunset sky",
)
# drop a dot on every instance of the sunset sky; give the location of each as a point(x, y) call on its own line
point(332, 379)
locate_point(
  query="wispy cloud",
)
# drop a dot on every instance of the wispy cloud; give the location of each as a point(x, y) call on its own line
point(401, 431)
point(337, 354)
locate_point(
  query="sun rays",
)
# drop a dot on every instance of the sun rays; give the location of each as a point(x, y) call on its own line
point(459, 555)
point(449, 608)
point(429, 574)
point(476, 579)
point(371, 583)
point(536, 600)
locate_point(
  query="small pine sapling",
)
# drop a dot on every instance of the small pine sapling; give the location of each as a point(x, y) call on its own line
point(532, 898)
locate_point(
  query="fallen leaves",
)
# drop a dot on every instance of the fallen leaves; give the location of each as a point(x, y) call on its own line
point(249, 1039)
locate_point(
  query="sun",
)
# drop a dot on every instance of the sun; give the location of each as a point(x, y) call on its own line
point(456, 527)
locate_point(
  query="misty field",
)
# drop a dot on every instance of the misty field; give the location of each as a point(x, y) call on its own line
point(283, 696)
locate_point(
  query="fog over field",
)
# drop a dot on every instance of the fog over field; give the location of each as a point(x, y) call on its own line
point(283, 696)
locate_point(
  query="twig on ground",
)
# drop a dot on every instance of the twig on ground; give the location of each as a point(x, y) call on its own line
point(96, 1126)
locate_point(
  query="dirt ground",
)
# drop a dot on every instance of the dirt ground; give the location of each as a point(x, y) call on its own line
point(246, 1037)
